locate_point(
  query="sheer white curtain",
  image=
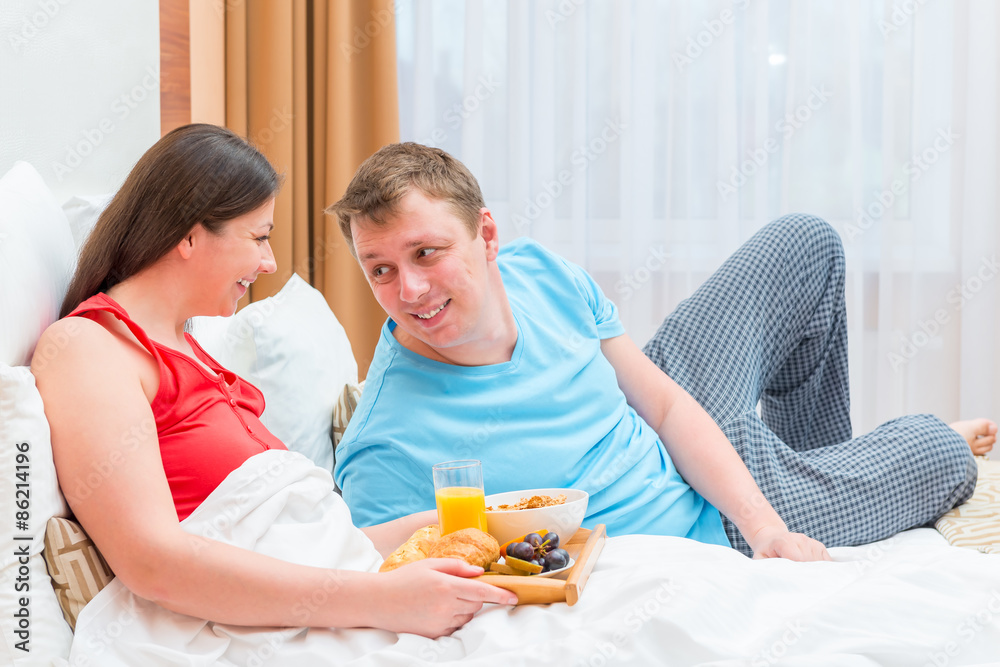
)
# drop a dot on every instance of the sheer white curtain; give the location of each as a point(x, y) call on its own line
point(646, 140)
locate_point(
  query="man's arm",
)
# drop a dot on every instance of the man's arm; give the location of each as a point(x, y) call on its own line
point(380, 484)
point(389, 535)
point(703, 455)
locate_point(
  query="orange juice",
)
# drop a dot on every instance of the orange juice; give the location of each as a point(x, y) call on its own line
point(460, 507)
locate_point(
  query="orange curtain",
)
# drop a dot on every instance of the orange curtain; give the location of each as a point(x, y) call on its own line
point(313, 84)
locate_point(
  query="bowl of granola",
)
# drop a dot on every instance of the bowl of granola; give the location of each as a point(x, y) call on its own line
point(512, 514)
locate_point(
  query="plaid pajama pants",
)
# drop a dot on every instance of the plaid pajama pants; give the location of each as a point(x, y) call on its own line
point(769, 327)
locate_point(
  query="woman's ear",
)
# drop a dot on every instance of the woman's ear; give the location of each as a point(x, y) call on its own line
point(187, 244)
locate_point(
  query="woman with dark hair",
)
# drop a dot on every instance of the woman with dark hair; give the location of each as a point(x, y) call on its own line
point(198, 176)
point(133, 398)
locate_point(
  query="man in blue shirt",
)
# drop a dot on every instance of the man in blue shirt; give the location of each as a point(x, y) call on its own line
point(514, 356)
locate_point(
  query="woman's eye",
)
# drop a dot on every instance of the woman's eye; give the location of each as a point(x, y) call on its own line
point(262, 239)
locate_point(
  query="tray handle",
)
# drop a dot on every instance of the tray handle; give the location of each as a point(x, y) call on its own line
point(587, 558)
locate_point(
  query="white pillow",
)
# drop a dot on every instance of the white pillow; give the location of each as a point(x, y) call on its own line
point(24, 442)
point(82, 214)
point(36, 261)
point(294, 350)
point(211, 334)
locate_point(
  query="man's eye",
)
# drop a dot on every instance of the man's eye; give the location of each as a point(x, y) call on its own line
point(380, 271)
point(424, 252)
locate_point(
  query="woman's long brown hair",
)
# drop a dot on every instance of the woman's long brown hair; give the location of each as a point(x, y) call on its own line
point(196, 174)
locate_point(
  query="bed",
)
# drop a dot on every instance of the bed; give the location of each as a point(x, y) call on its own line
point(914, 599)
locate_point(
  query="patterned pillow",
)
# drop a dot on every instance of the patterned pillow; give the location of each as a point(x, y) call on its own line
point(976, 523)
point(343, 410)
point(78, 570)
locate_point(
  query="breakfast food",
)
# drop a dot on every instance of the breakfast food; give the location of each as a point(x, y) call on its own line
point(534, 502)
point(425, 538)
point(533, 553)
point(413, 549)
point(469, 544)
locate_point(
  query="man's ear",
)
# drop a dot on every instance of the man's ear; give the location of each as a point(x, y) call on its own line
point(488, 230)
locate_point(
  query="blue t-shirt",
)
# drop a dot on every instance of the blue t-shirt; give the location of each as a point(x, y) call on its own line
point(552, 416)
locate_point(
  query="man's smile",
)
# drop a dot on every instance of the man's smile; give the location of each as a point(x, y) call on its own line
point(428, 315)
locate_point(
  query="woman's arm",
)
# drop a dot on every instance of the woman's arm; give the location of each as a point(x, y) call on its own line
point(703, 455)
point(108, 462)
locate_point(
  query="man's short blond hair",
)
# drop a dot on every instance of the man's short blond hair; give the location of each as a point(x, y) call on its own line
point(392, 172)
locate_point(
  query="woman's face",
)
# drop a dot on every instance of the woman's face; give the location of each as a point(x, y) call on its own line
point(233, 259)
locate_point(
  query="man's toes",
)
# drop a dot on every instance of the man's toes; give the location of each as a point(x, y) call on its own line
point(981, 434)
point(984, 439)
point(983, 427)
point(980, 447)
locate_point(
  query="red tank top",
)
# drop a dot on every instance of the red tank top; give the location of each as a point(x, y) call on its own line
point(207, 423)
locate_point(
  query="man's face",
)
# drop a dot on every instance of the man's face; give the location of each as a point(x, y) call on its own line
point(431, 275)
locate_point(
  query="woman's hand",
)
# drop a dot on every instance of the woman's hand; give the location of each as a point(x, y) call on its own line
point(432, 597)
point(778, 542)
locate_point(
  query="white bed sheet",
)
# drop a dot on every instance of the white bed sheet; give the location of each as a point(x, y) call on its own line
point(910, 600)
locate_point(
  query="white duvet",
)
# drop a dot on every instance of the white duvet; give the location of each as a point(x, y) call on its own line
point(908, 601)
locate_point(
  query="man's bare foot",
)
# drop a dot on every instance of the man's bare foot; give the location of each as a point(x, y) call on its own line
point(979, 433)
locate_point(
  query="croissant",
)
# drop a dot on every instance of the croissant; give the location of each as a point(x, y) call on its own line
point(425, 538)
point(469, 544)
point(412, 549)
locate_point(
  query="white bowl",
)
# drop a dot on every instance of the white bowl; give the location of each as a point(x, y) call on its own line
point(563, 520)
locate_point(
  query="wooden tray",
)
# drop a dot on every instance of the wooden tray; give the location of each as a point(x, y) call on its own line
point(584, 547)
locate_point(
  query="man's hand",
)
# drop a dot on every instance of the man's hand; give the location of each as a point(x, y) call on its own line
point(778, 542)
point(703, 455)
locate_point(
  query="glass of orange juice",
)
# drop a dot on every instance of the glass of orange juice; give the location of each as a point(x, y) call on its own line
point(458, 491)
